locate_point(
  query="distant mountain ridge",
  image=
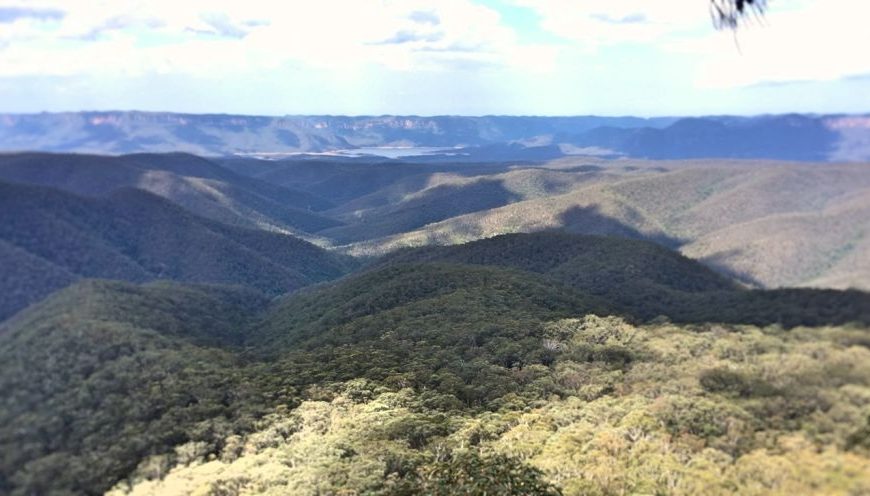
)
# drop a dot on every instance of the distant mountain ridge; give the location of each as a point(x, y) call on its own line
point(783, 137)
point(196, 184)
point(769, 224)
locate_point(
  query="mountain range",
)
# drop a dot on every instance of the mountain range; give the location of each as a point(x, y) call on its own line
point(766, 223)
point(826, 138)
point(175, 324)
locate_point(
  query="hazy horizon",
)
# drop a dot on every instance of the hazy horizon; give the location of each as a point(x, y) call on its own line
point(446, 247)
point(424, 116)
point(426, 58)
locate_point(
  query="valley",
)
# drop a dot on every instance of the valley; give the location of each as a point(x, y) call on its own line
point(434, 248)
point(358, 325)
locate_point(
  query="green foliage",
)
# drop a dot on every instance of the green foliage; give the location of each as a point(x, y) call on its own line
point(770, 224)
point(419, 199)
point(641, 280)
point(436, 296)
point(27, 278)
point(473, 474)
point(197, 184)
point(648, 427)
point(104, 374)
point(860, 439)
point(730, 382)
point(428, 375)
point(594, 263)
point(51, 238)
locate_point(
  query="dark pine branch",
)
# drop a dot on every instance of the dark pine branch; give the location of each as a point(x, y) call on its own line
point(729, 14)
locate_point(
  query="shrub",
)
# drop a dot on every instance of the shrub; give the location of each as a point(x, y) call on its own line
point(733, 383)
point(475, 474)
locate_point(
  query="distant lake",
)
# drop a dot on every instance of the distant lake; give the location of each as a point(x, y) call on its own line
point(395, 151)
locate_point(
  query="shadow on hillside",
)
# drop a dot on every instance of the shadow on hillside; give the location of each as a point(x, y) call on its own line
point(436, 204)
point(590, 220)
point(345, 179)
point(583, 168)
point(718, 263)
point(456, 200)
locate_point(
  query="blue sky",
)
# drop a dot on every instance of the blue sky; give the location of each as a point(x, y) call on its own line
point(426, 57)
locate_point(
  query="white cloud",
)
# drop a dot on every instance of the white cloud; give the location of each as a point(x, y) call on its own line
point(796, 40)
point(366, 55)
point(593, 23)
point(198, 36)
point(807, 41)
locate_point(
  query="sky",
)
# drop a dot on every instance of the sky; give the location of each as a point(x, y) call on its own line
point(431, 57)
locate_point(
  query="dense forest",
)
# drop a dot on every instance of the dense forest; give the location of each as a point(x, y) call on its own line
point(768, 224)
point(168, 340)
point(489, 366)
point(439, 272)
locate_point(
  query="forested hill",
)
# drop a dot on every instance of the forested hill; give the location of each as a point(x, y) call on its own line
point(415, 375)
point(103, 374)
point(588, 262)
point(769, 224)
point(642, 280)
point(50, 238)
point(554, 361)
point(199, 185)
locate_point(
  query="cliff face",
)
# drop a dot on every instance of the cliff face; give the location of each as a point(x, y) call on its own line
point(130, 132)
point(786, 137)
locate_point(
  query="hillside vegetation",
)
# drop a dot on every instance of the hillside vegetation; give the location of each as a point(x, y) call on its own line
point(642, 280)
point(192, 182)
point(769, 225)
point(722, 410)
point(408, 205)
point(52, 238)
point(569, 328)
point(487, 381)
point(103, 373)
point(442, 369)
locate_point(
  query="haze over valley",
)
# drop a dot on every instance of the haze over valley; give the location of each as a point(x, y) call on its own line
point(465, 247)
point(819, 138)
